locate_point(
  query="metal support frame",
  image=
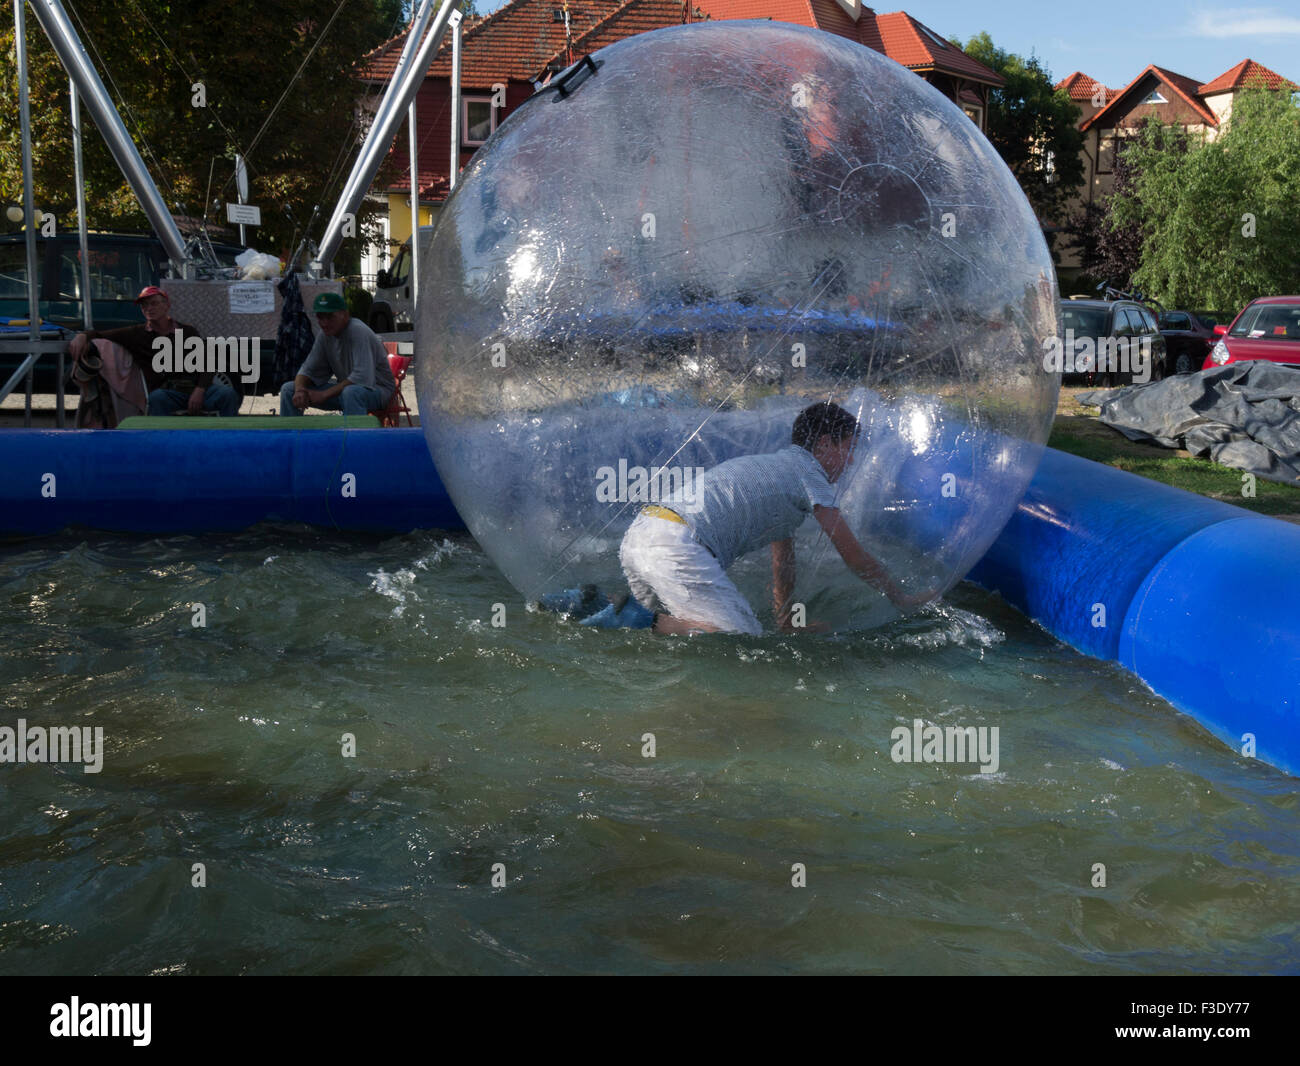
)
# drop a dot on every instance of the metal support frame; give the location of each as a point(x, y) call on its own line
point(87, 297)
point(455, 106)
point(29, 209)
point(414, 148)
point(72, 54)
point(406, 81)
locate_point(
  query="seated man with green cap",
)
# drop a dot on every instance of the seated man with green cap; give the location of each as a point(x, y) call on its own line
point(347, 368)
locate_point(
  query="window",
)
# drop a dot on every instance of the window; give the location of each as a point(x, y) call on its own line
point(13, 271)
point(557, 14)
point(1148, 321)
point(1174, 320)
point(70, 275)
point(401, 267)
point(934, 36)
point(1155, 98)
point(478, 118)
point(1106, 152)
point(975, 114)
point(1269, 322)
point(1083, 321)
point(116, 273)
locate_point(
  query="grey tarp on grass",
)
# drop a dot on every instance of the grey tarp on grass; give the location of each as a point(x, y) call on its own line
point(1244, 415)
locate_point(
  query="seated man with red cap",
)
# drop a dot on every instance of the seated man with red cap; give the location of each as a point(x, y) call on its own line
point(169, 390)
point(347, 368)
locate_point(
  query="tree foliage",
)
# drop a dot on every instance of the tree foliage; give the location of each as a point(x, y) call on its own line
point(151, 55)
point(1110, 237)
point(1033, 127)
point(1219, 221)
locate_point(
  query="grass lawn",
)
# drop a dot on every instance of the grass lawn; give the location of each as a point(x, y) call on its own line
point(1078, 430)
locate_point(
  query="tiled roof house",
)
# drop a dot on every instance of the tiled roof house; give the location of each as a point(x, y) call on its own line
point(525, 41)
point(1109, 115)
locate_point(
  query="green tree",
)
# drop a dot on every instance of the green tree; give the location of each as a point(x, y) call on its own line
point(1108, 235)
point(1219, 221)
point(1033, 127)
point(151, 55)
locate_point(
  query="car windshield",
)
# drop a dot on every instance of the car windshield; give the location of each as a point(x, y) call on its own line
point(13, 271)
point(1272, 322)
point(1083, 321)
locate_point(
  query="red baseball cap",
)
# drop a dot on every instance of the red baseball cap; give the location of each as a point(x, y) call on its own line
point(149, 290)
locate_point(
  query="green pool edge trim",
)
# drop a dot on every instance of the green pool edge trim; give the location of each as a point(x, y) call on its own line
point(250, 422)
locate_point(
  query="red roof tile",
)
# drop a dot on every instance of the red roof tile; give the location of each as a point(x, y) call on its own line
point(1246, 74)
point(519, 40)
point(897, 35)
point(512, 43)
point(798, 12)
point(918, 47)
point(629, 19)
point(1079, 86)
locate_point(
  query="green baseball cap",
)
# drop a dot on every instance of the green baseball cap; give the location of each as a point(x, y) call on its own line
point(328, 301)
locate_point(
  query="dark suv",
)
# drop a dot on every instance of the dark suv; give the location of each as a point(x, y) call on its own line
point(1189, 337)
point(1124, 328)
point(120, 266)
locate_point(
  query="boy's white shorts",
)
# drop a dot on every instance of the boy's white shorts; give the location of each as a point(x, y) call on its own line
point(667, 567)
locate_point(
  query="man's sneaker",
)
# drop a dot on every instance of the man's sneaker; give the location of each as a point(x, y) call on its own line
point(624, 614)
point(580, 601)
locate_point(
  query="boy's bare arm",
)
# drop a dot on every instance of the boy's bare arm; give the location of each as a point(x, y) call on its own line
point(857, 559)
point(782, 579)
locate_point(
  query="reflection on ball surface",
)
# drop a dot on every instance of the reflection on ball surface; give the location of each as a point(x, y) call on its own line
point(657, 267)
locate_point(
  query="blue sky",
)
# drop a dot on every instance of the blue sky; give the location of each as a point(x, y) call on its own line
point(1113, 40)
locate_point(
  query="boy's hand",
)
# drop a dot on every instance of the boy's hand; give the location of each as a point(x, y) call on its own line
point(899, 598)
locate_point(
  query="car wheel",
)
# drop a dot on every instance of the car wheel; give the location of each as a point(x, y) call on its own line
point(1183, 365)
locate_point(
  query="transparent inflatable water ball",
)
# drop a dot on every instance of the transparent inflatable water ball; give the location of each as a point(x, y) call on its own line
point(654, 266)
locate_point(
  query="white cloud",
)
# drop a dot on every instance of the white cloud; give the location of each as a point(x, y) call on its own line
point(1245, 22)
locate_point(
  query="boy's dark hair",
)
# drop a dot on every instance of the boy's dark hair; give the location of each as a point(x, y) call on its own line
point(824, 419)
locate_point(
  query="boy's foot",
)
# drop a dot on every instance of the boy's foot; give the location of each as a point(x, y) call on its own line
point(587, 599)
point(625, 614)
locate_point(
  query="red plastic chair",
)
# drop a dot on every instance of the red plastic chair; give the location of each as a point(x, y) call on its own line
point(391, 415)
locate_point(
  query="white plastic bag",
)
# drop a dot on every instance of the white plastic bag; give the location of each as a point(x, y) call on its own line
point(257, 266)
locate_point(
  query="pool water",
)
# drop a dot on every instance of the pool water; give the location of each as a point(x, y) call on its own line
point(517, 754)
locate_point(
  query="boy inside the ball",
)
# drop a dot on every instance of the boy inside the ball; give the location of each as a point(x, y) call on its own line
point(676, 558)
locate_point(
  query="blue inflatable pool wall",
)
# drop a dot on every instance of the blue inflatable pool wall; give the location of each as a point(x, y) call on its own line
point(1199, 599)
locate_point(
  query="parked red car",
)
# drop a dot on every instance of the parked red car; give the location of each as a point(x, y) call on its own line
point(1269, 328)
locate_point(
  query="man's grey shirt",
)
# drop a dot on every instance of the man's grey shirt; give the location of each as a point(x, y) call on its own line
point(749, 502)
point(355, 354)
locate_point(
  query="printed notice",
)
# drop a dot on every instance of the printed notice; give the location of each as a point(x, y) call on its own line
point(252, 298)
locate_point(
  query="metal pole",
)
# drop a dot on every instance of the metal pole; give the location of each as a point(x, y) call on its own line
point(29, 207)
point(455, 106)
point(415, 208)
point(87, 297)
point(382, 132)
point(241, 191)
point(419, 24)
point(401, 71)
point(54, 20)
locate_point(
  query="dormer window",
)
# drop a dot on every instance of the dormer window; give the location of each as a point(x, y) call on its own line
point(933, 36)
point(557, 14)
